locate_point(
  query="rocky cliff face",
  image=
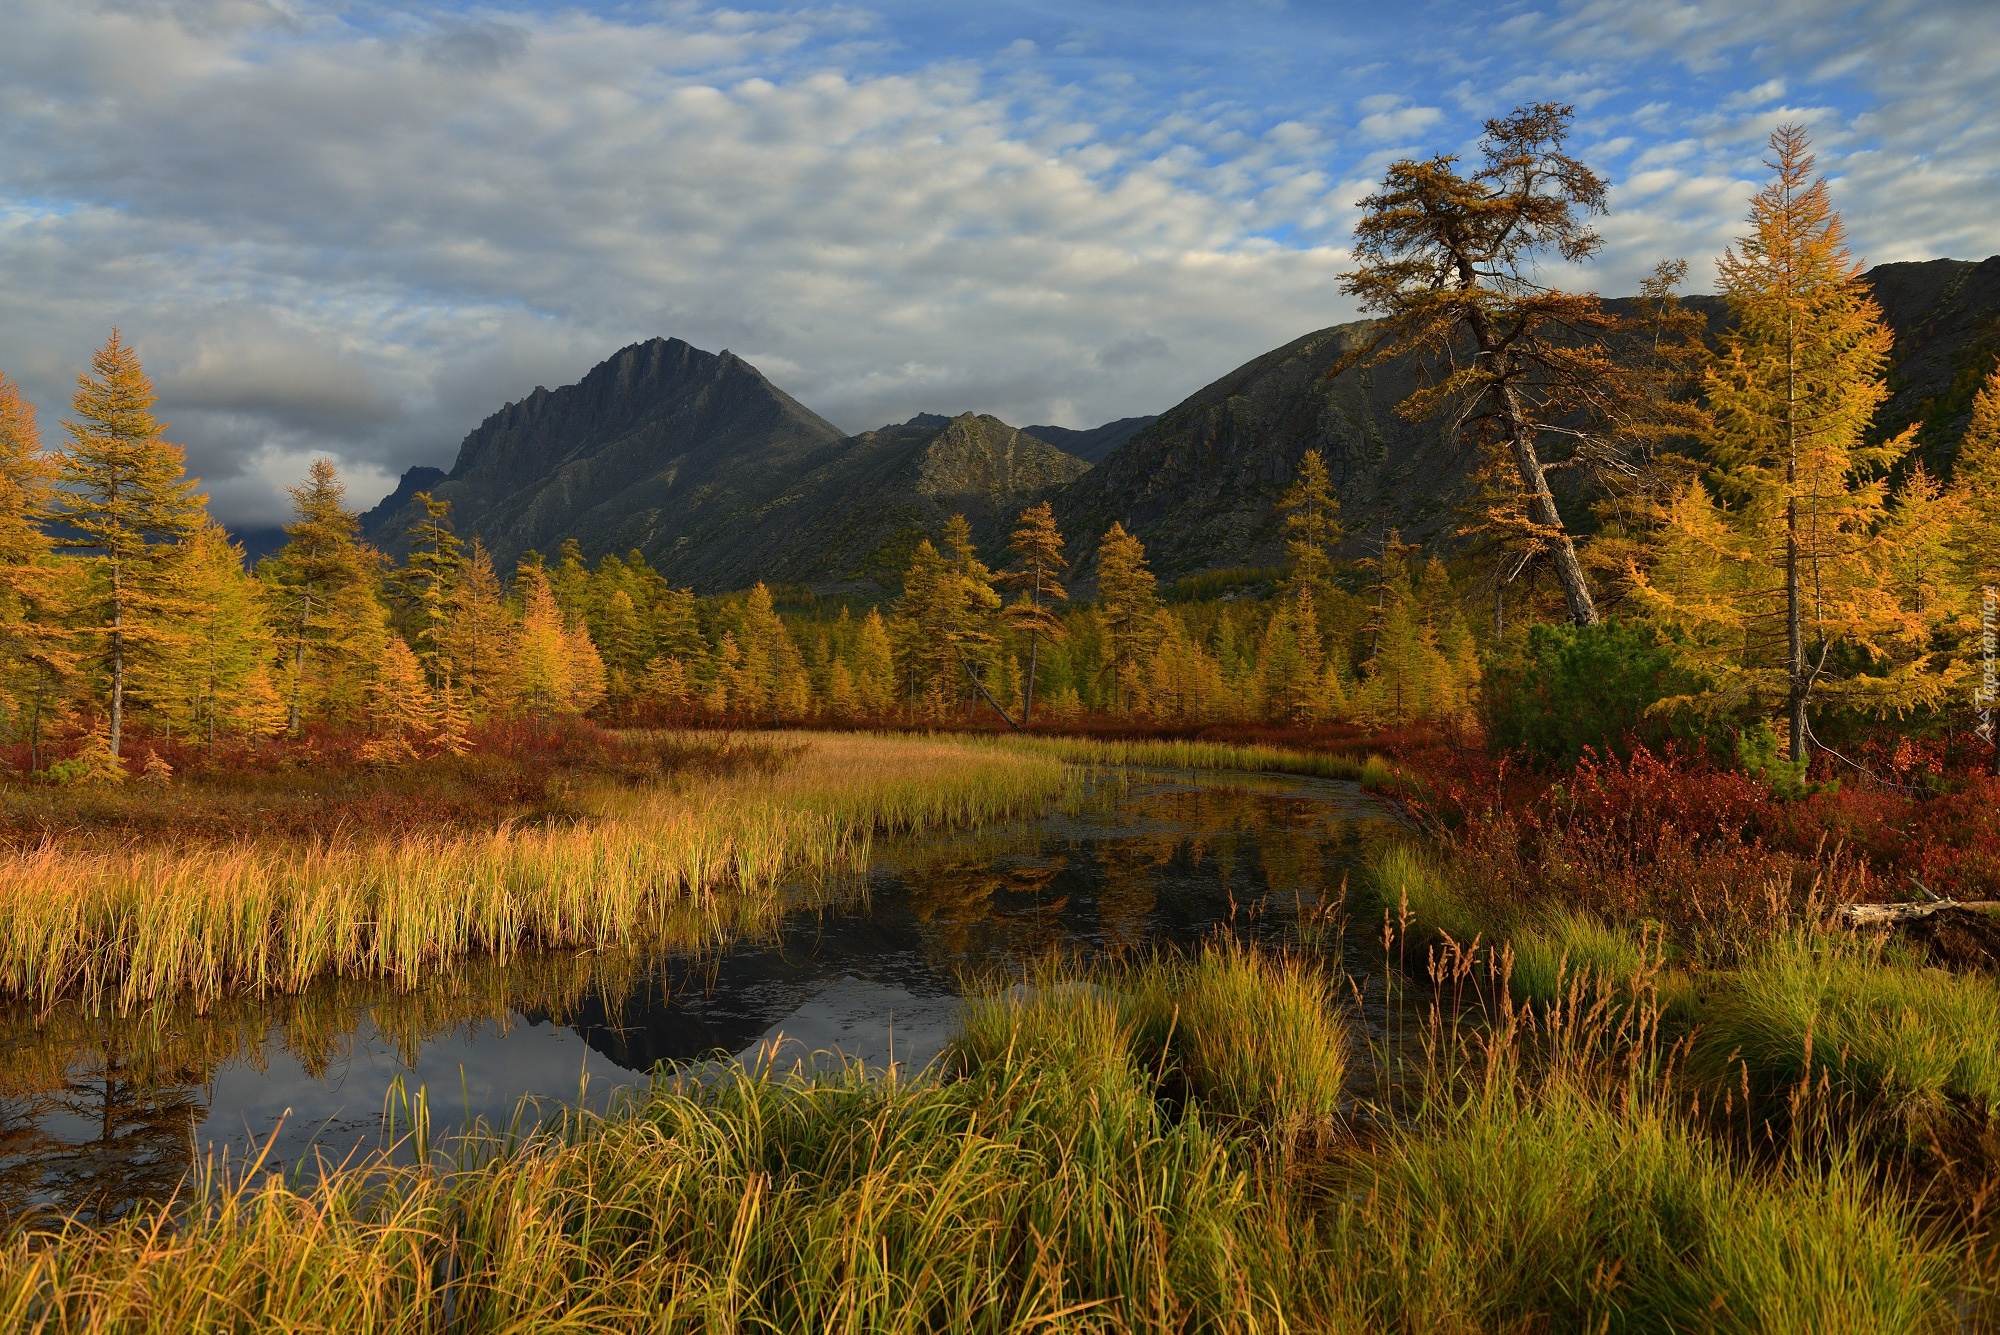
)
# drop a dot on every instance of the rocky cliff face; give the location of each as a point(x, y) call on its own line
point(663, 447)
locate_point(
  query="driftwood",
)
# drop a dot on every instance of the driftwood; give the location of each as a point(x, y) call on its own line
point(1875, 915)
point(1894, 915)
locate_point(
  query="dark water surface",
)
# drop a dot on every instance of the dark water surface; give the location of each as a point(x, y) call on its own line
point(97, 1113)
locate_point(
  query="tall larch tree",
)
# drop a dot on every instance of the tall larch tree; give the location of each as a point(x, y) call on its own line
point(422, 588)
point(971, 617)
point(35, 657)
point(1312, 526)
point(329, 616)
point(1037, 545)
point(1975, 484)
point(1128, 600)
point(1451, 261)
point(218, 680)
point(874, 665)
point(1794, 392)
point(478, 638)
point(124, 494)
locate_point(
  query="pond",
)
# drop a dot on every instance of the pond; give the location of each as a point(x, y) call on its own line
point(98, 1113)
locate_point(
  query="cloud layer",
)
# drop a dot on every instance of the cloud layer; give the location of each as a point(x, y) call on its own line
point(336, 229)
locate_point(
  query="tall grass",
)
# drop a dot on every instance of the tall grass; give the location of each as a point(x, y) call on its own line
point(1912, 1042)
point(136, 925)
point(1372, 771)
point(1057, 1183)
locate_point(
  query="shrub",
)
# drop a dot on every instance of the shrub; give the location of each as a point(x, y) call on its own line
point(1574, 688)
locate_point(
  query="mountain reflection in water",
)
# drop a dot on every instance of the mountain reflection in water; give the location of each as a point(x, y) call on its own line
point(98, 1112)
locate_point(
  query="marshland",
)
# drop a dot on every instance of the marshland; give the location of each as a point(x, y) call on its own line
point(1579, 926)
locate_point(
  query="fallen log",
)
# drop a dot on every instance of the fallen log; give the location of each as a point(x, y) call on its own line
point(1891, 915)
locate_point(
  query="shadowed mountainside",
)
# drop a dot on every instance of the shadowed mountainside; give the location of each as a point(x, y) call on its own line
point(722, 479)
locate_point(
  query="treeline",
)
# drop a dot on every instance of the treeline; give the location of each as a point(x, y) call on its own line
point(1764, 555)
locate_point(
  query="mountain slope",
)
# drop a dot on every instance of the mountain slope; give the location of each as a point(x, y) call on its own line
point(1094, 445)
point(1201, 483)
point(661, 447)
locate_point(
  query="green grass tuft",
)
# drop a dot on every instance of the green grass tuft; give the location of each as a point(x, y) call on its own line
point(1911, 1041)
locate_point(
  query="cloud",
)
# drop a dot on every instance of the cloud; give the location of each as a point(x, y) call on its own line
point(355, 231)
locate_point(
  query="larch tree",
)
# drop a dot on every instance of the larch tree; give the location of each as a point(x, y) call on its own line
point(1975, 484)
point(874, 665)
point(1037, 545)
point(35, 656)
point(1128, 599)
point(218, 680)
point(970, 607)
point(478, 637)
point(1785, 550)
point(1312, 526)
point(329, 616)
point(422, 588)
point(402, 708)
point(540, 666)
point(1449, 260)
point(124, 493)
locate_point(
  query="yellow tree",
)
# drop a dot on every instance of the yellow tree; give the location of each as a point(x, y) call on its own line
point(329, 618)
point(477, 637)
point(874, 665)
point(218, 681)
point(402, 709)
point(422, 588)
point(1128, 598)
point(1037, 546)
point(1783, 560)
point(1975, 486)
point(1290, 669)
point(1312, 526)
point(124, 494)
point(35, 659)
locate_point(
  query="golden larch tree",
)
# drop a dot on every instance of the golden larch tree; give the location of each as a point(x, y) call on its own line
point(1037, 545)
point(124, 494)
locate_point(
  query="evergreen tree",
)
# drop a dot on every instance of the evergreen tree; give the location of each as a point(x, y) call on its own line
point(1128, 599)
point(125, 495)
point(36, 661)
point(329, 618)
point(1037, 546)
point(1290, 666)
point(923, 614)
point(970, 603)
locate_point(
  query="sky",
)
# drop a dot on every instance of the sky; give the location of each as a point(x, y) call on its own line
point(354, 230)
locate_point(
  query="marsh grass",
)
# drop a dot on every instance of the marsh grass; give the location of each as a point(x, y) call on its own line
point(681, 862)
point(1055, 1183)
point(1371, 772)
point(1885, 1035)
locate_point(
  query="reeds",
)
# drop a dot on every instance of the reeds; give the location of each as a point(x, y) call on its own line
point(668, 862)
point(1371, 771)
point(1066, 1179)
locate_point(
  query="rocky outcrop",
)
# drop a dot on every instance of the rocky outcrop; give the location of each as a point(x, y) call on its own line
point(663, 447)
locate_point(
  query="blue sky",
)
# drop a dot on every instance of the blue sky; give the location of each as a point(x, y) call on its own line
point(354, 230)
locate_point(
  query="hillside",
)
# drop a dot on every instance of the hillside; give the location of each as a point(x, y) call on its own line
point(721, 479)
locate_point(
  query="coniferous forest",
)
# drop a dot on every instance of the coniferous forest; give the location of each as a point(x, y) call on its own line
point(1652, 988)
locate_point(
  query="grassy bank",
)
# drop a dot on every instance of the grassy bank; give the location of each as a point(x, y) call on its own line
point(1110, 1156)
point(1371, 771)
point(677, 859)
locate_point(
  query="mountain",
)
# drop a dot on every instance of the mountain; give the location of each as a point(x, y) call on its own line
point(662, 447)
point(722, 479)
point(1201, 483)
point(858, 516)
point(1093, 445)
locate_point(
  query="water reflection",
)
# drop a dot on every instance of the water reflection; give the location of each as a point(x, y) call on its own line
point(99, 1112)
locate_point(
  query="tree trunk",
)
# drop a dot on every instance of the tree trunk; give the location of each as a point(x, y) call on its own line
point(117, 664)
point(1795, 640)
point(1542, 509)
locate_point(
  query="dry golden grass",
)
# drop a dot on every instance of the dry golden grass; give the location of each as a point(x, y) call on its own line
point(669, 862)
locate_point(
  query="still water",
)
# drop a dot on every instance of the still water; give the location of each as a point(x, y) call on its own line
point(98, 1113)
